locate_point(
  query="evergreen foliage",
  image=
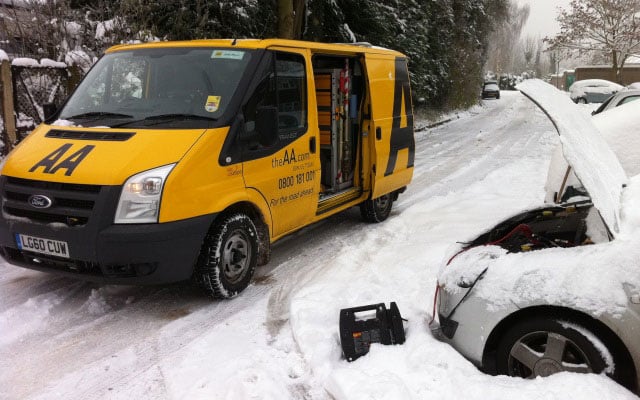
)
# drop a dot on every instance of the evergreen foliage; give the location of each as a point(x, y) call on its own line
point(446, 40)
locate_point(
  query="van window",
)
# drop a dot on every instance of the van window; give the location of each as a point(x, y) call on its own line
point(160, 87)
point(283, 86)
point(123, 80)
point(292, 93)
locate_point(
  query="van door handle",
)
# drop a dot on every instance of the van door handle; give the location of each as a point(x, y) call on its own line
point(312, 144)
point(379, 133)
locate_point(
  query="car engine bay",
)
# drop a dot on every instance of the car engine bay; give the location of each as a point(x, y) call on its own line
point(569, 225)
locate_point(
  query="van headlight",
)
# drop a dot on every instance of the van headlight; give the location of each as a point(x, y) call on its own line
point(140, 198)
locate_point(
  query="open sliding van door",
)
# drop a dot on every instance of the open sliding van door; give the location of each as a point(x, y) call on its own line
point(391, 138)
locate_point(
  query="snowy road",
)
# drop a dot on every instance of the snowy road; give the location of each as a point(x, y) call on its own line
point(61, 338)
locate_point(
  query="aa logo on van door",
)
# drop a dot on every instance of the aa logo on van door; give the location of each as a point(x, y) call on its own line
point(401, 136)
point(55, 161)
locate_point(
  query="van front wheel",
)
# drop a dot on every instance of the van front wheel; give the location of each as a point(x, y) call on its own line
point(378, 209)
point(228, 257)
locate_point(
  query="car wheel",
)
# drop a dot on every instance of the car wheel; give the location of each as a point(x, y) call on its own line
point(228, 257)
point(582, 100)
point(545, 346)
point(377, 210)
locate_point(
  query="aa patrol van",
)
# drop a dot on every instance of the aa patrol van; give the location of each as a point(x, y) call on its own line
point(187, 160)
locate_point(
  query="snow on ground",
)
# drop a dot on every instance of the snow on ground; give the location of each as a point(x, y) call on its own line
point(279, 339)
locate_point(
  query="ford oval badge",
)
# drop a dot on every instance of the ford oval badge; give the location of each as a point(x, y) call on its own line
point(40, 201)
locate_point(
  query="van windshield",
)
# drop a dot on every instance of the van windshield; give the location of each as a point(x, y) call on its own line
point(159, 87)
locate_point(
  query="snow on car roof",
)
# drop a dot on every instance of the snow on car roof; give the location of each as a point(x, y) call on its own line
point(595, 83)
point(584, 148)
point(619, 126)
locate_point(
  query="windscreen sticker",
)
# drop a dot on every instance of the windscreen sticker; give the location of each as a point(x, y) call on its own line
point(228, 54)
point(212, 104)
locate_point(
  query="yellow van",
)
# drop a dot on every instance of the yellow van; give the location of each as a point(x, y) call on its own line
point(180, 160)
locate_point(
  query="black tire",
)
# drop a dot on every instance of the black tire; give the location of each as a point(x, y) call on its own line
point(228, 257)
point(544, 345)
point(582, 100)
point(377, 210)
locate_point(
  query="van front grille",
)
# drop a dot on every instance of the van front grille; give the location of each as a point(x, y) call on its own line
point(70, 204)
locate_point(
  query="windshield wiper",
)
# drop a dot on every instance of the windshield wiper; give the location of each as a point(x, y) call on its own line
point(161, 118)
point(99, 114)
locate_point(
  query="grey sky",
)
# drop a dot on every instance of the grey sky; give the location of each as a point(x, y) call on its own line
point(542, 19)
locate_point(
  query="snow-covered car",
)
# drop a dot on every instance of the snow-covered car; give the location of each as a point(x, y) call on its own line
point(618, 99)
point(634, 86)
point(592, 90)
point(490, 89)
point(556, 288)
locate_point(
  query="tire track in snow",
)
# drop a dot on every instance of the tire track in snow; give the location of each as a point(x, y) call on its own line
point(475, 153)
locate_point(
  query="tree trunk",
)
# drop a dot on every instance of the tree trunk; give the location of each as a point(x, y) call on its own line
point(616, 71)
point(285, 19)
point(299, 7)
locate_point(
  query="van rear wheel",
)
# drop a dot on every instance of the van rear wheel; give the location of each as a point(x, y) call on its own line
point(378, 209)
point(228, 257)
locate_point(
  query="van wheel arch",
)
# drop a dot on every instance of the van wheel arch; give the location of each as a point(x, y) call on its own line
point(619, 351)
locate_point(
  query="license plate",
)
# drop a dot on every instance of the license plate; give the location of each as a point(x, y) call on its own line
point(43, 246)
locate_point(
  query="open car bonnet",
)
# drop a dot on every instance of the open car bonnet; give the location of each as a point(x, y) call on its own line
point(591, 158)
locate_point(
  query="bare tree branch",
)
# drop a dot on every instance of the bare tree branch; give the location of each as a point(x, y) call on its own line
point(607, 27)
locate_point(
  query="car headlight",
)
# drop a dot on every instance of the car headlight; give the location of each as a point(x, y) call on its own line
point(140, 198)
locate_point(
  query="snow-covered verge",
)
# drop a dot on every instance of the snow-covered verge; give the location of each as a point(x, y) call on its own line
point(279, 339)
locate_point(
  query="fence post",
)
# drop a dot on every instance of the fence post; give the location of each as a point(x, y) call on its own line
point(75, 75)
point(8, 114)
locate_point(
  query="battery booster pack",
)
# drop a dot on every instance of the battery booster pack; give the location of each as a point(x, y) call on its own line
point(361, 326)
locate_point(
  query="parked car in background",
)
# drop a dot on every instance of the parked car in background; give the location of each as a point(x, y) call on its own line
point(592, 90)
point(618, 99)
point(490, 90)
point(555, 288)
point(634, 86)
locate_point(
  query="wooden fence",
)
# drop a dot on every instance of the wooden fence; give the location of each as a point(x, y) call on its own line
point(25, 88)
point(629, 74)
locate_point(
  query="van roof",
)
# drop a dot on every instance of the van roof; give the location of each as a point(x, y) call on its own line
point(262, 44)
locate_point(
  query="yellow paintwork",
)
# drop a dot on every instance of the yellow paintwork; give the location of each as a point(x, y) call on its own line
point(109, 162)
point(199, 185)
point(381, 73)
point(292, 205)
point(315, 47)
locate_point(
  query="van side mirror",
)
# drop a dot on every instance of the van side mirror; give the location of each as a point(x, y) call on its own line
point(49, 109)
point(267, 125)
